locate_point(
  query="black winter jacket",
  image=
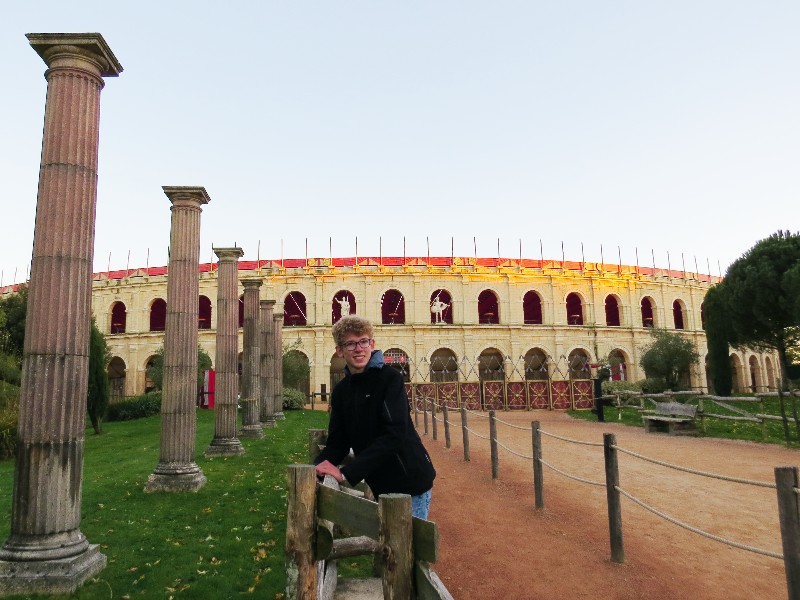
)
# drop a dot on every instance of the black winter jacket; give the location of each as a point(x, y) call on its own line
point(370, 414)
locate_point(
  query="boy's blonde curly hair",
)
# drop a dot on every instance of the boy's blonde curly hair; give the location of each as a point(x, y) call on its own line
point(349, 325)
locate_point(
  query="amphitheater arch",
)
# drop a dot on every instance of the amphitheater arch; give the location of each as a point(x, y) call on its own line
point(532, 308)
point(445, 302)
point(149, 386)
point(612, 306)
point(204, 312)
point(574, 304)
point(756, 378)
point(488, 307)
point(618, 362)
point(158, 314)
point(648, 309)
point(393, 307)
point(303, 383)
point(679, 314)
point(491, 365)
point(119, 318)
point(578, 362)
point(241, 311)
point(536, 364)
point(116, 378)
point(294, 309)
point(341, 299)
point(397, 358)
point(739, 385)
point(337, 365)
point(443, 365)
point(771, 387)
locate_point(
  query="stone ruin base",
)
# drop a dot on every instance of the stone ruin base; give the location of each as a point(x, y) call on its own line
point(185, 478)
point(224, 447)
point(252, 431)
point(60, 576)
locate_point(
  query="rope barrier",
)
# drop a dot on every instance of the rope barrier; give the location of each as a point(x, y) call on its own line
point(499, 443)
point(476, 434)
point(570, 476)
point(472, 412)
point(688, 527)
point(512, 425)
point(564, 439)
point(695, 472)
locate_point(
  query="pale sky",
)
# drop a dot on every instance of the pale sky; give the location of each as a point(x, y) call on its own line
point(663, 126)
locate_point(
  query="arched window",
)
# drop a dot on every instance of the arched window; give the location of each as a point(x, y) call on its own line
point(532, 308)
point(536, 364)
point(647, 313)
point(488, 308)
point(343, 304)
point(612, 311)
point(619, 369)
point(574, 309)
point(204, 313)
point(491, 365)
point(441, 307)
point(444, 365)
point(398, 360)
point(158, 315)
point(393, 308)
point(677, 314)
point(294, 309)
point(149, 386)
point(578, 363)
point(116, 378)
point(241, 311)
point(119, 317)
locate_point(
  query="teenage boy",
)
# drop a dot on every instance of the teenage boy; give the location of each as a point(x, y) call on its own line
point(370, 414)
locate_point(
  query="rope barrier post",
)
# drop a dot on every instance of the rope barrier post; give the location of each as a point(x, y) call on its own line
point(416, 409)
point(538, 483)
point(434, 426)
point(613, 495)
point(493, 445)
point(787, 479)
point(425, 414)
point(446, 425)
point(465, 432)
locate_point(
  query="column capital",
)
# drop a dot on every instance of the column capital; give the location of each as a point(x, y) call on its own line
point(72, 49)
point(267, 303)
point(278, 317)
point(180, 194)
point(228, 254)
point(252, 283)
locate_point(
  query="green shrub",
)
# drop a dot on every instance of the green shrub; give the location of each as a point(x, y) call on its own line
point(9, 369)
point(9, 414)
point(653, 385)
point(293, 399)
point(139, 407)
point(613, 387)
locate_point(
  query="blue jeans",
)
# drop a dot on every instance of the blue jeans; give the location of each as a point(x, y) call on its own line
point(420, 505)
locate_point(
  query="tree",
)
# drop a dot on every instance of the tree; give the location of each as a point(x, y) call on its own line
point(156, 369)
point(718, 337)
point(12, 334)
point(761, 291)
point(295, 366)
point(98, 391)
point(668, 357)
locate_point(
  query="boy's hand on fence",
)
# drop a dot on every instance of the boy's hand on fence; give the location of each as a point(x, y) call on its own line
point(328, 468)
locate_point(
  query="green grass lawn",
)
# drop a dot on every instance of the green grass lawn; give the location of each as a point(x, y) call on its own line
point(225, 541)
point(771, 432)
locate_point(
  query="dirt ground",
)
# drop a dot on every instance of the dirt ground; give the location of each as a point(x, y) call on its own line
point(495, 544)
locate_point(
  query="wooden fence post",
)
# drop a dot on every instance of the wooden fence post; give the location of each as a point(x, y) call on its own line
point(396, 537)
point(538, 483)
point(464, 432)
point(493, 445)
point(433, 420)
point(613, 496)
point(445, 416)
point(301, 517)
point(787, 479)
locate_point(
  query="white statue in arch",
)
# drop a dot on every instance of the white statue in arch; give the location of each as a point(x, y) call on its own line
point(437, 308)
point(344, 303)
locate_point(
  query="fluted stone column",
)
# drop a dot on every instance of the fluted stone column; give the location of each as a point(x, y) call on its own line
point(176, 470)
point(251, 361)
point(46, 551)
point(225, 442)
point(278, 377)
point(267, 367)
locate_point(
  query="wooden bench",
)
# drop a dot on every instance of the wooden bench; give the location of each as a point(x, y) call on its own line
point(673, 417)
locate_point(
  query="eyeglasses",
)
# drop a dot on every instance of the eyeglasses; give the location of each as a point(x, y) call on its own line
point(363, 343)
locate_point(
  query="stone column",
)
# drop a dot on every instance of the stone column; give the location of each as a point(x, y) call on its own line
point(176, 470)
point(278, 377)
point(251, 361)
point(46, 552)
point(225, 442)
point(267, 364)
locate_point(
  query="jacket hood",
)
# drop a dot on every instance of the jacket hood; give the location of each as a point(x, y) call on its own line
point(376, 361)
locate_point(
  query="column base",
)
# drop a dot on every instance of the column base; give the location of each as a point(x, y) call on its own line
point(61, 576)
point(279, 416)
point(224, 447)
point(175, 477)
point(252, 431)
point(268, 423)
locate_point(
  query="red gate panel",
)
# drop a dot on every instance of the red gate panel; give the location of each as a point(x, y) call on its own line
point(448, 394)
point(424, 395)
point(470, 395)
point(539, 393)
point(493, 398)
point(582, 393)
point(559, 391)
point(515, 393)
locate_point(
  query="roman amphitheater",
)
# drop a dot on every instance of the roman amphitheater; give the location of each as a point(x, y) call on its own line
point(440, 319)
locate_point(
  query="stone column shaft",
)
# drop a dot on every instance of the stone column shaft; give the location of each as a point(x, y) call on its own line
point(267, 366)
point(251, 361)
point(225, 442)
point(46, 551)
point(278, 371)
point(176, 470)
